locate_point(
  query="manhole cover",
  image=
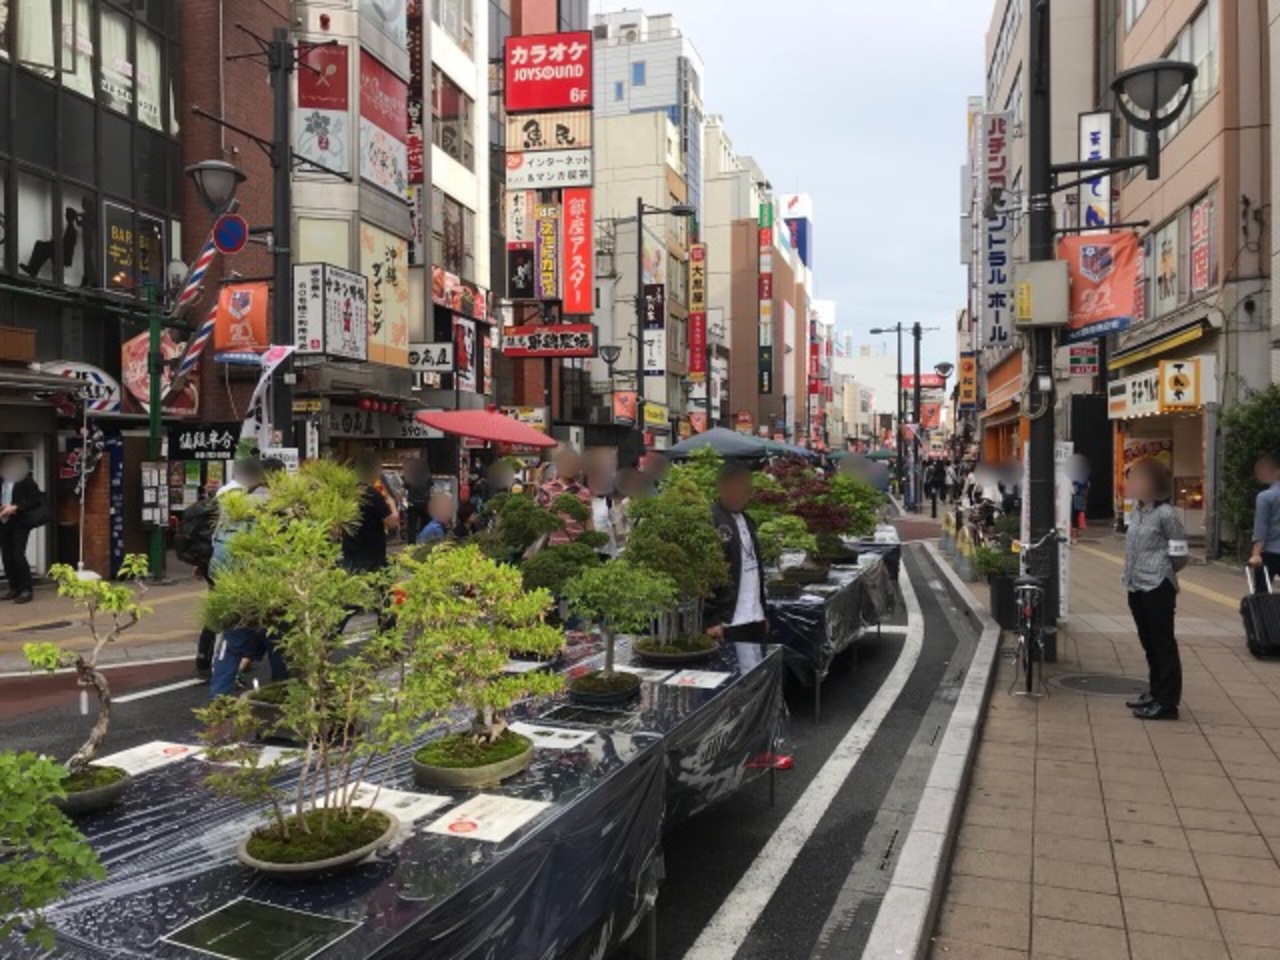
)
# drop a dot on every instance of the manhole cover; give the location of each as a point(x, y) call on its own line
point(1100, 684)
point(51, 625)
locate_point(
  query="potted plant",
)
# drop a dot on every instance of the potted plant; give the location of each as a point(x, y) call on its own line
point(619, 597)
point(672, 535)
point(113, 609)
point(781, 535)
point(41, 853)
point(999, 567)
point(463, 617)
point(284, 576)
point(551, 568)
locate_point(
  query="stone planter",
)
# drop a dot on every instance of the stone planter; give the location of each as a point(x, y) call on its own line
point(91, 801)
point(472, 778)
point(315, 868)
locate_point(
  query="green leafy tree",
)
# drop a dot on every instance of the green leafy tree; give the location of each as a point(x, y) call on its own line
point(519, 522)
point(112, 609)
point(620, 597)
point(703, 468)
point(1249, 429)
point(41, 853)
point(552, 568)
point(781, 534)
point(672, 535)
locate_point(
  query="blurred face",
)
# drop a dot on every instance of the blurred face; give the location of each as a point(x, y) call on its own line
point(1265, 471)
point(441, 509)
point(568, 465)
point(735, 493)
point(14, 469)
point(1137, 485)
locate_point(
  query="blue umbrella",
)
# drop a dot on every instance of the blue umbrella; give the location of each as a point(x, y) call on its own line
point(727, 443)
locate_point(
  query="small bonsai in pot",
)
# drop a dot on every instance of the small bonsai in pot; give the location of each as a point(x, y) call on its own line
point(781, 535)
point(619, 597)
point(462, 618)
point(672, 535)
point(112, 609)
point(41, 853)
point(284, 575)
point(551, 568)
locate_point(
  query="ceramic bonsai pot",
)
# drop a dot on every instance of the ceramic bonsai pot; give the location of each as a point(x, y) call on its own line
point(471, 778)
point(94, 799)
point(315, 868)
point(587, 689)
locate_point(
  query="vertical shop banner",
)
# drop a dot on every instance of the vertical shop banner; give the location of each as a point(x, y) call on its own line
point(521, 269)
point(418, 230)
point(579, 268)
point(1167, 266)
point(466, 354)
point(655, 330)
point(519, 216)
point(548, 72)
point(384, 126)
point(384, 260)
point(241, 323)
point(624, 407)
point(997, 231)
point(968, 398)
point(1202, 265)
point(548, 251)
point(322, 125)
point(764, 355)
point(114, 445)
point(698, 313)
point(415, 134)
point(1102, 270)
point(1095, 193)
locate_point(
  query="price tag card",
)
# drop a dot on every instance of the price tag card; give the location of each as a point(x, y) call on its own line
point(252, 930)
point(524, 666)
point(149, 756)
point(488, 817)
point(701, 679)
point(645, 673)
point(405, 806)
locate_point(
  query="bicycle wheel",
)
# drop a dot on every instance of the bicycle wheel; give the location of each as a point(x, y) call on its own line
point(1028, 660)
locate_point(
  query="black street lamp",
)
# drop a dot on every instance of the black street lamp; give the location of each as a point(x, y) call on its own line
point(684, 211)
point(216, 183)
point(897, 389)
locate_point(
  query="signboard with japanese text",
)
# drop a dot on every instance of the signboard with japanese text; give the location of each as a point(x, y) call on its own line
point(549, 170)
point(1202, 265)
point(520, 216)
point(655, 330)
point(997, 232)
point(117, 247)
point(968, 398)
point(384, 126)
point(330, 311)
point(558, 340)
point(460, 296)
point(384, 259)
point(522, 270)
point(1083, 360)
point(548, 72)
point(1135, 396)
point(698, 312)
point(764, 341)
point(547, 278)
point(466, 355)
point(322, 123)
point(578, 274)
point(549, 131)
point(431, 357)
point(1102, 269)
point(1180, 389)
point(1095, 193)
point(928, 381)
point(241, 322)
point(203, 441)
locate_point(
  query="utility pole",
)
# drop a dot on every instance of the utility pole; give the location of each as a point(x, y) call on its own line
point(280, 65)
point(640, 310)
point(1043, 562)
point(916, 486)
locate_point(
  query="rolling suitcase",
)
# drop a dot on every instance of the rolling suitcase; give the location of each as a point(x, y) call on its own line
point(1261, 615)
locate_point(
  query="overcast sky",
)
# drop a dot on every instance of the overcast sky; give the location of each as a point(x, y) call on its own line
point(860, 103)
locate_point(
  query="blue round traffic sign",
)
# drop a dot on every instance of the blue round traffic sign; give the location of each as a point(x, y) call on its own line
point(230, 233)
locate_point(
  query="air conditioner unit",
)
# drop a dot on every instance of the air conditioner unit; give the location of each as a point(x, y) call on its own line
point(631, 33)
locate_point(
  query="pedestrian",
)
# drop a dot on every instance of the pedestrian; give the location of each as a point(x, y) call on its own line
point(441, 519)
point(417, 491)
point(1265, 555)
point(364, 547)
point(567, 466)
point(655, 470)
point(951, 480)
point(22, 509)
point(606, 504)
point(1155, 549)
point(1079, 501)
point(736, 612)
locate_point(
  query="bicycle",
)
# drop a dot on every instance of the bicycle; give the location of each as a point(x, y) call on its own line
point(1028, 592)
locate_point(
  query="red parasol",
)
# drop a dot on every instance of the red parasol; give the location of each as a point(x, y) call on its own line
point(487, 425)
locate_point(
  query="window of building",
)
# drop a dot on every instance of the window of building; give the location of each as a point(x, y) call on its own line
point(77, 46)
point(1197, 43)
point(453, 235)
point(149, 79)
point(677, 281)
point(1132, 11)
point(637, 73)
point(37, 243)
point(1166, 272)
point(1013, 103)
point(456, 19)
point(80, 237)
point(453, 119)
point(116, 81)
point(35, 32)
point(619, 90)
point(1010, 21)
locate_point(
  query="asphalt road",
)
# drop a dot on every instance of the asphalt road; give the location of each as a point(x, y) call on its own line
point(822, 905)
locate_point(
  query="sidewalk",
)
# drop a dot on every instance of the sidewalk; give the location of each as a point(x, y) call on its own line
point(1089, 834)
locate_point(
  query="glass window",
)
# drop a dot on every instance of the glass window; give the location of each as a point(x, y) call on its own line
point(115, 165)
point(34, 43)
point(4, 40)
point(150, 81)
point(116, 81)
point(77, 46)
point(151, 251)
point(1132, 11)
point(456, 18)
point(76, 127)
point(618, 90)
point(453, 119)
point(1197, 43)
point(1167, 260)
point(468, 244)
point(151, 156)
point(637, 73)
point(79, 237)
point(437, 226)
point(35, 138)
point(36, 240)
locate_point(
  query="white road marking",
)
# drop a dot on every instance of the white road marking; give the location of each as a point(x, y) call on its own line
point(115, 665)
point(156, 691)
point(722, 937)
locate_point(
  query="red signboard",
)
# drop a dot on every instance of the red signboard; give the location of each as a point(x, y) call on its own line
point(815, 359)
point(697, 346)
point(766, 286)
point(1201, 236)
point(550, 71)
point(928, 381)
point(384, 98)
point(558, 340)
point(578, 271)
point(323, 77)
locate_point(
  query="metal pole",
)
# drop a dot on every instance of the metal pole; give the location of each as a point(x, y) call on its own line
point(640, 315)
point(155, 371)
point(916, 464)
point(281, 65)
point(902, 492)
point(1044, 562)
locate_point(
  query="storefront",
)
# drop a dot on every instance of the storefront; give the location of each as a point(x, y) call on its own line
point(1004, 428)
point(1160, 412)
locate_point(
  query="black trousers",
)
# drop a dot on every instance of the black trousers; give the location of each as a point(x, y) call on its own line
point(1153, 614)
point(757, 632)
point(13, 553)
point(204, 646)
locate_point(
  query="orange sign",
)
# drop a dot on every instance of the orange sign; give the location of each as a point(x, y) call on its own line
point(241, 325)
point(624, 407)
point(968, 381)
point(931, 415)
point(1104, 270)
point(698, 421)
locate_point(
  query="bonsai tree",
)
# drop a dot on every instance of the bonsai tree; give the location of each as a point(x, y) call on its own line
point(781, 534)
point(703, 468)
point(619, 597)
point(41, 853)
point(520, 524)
point(462, 618)
point(552, 568)
point(284, 575)
point(112, 609)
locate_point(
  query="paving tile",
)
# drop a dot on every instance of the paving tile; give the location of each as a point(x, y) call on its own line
point(1159, 814)
point(1078, 905)
point(996, 928)
point(1234, 844)
point(1152, 791)
point(1011, 895)
point(1068, 786)
point(1244, 897)
point(1077, 941)
point(1221, 866)
point(1063, 825)
point(1071, 806)
point(1165, 887)
point(1001, 866)
point(1196, 819)
point(1173, 919)
point(1073, 848)
point(1070, 875)
point(1253, 953)
point(1138, 834)
point(1156, 860)
point(995, 839)
point(1250, 929)
point(952, 949)
point(1151, 946)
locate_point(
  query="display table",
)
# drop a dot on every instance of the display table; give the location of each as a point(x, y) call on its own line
point(828, 618)
point(570, 866)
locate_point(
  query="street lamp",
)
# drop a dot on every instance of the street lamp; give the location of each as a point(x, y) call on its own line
point(683, 211)
point(1152, 96)
point(216, 182)
point(897, 389)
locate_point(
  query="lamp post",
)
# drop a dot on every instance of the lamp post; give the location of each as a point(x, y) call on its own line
point(1151, 97)
point(610, 354)
point(684, 211)
point(897, 389)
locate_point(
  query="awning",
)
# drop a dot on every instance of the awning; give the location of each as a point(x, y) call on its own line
point(31, 382)
point(1168, 342)
point(488, 425)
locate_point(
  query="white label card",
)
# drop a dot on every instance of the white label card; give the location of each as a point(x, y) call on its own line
point(547, 737)
point(488, 817)
point(702, 679)
point(407, 807)
point(149, 756)
point(645, 673)
point(524, 666)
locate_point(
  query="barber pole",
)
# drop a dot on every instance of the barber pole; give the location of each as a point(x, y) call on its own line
point(191, 289)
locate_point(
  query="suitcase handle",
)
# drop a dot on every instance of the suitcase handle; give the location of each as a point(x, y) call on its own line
point(1250, 578)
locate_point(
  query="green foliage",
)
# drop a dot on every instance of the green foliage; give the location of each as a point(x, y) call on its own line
point(990, 561)
point(552, 568)
point(703, 468)
point(41, 853)
point(518, 524)
point(620, 596)
point(462, 751)
point(862, 500)
point(567, 505)
point(784, 533)
point(311, 837)
point(672, 534)
point(1249, 429)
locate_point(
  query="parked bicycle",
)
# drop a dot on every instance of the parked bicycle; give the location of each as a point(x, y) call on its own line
point(1028, 592)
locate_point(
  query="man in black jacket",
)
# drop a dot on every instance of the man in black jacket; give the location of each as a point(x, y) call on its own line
point(21, 509)
point(736, 612)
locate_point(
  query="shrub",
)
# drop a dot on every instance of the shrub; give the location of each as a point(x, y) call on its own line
point(1249, 429)
point(620, 597)
point(673, 535)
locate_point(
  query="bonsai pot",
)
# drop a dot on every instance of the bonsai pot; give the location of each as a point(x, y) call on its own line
point(470, 777)
point(806, 574)
point(94, 798)
point(314, 868)
point(680, 650)
point(1004, 608)
point(597, 690)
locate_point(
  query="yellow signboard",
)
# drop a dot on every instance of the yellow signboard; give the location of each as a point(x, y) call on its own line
point(1022, 310)
point(655, 414)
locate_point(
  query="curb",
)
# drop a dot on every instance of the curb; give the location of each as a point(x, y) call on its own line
point(905, 920)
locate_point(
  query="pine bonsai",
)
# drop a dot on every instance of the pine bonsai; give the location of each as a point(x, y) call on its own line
point(781, 534)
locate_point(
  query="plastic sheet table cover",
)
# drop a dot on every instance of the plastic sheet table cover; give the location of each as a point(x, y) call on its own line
point(829, 617)
point(890, 552)
point(573, 883)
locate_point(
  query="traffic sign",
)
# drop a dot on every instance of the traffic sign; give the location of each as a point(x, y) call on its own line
point(230, 233)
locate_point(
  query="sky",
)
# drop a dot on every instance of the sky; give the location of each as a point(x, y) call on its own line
point(860, 103)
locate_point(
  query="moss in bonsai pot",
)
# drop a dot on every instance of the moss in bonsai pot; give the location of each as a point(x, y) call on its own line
point(464, 750)
point(310, 837)
point(92, 777)
point(693, 643)
point(597, 683)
